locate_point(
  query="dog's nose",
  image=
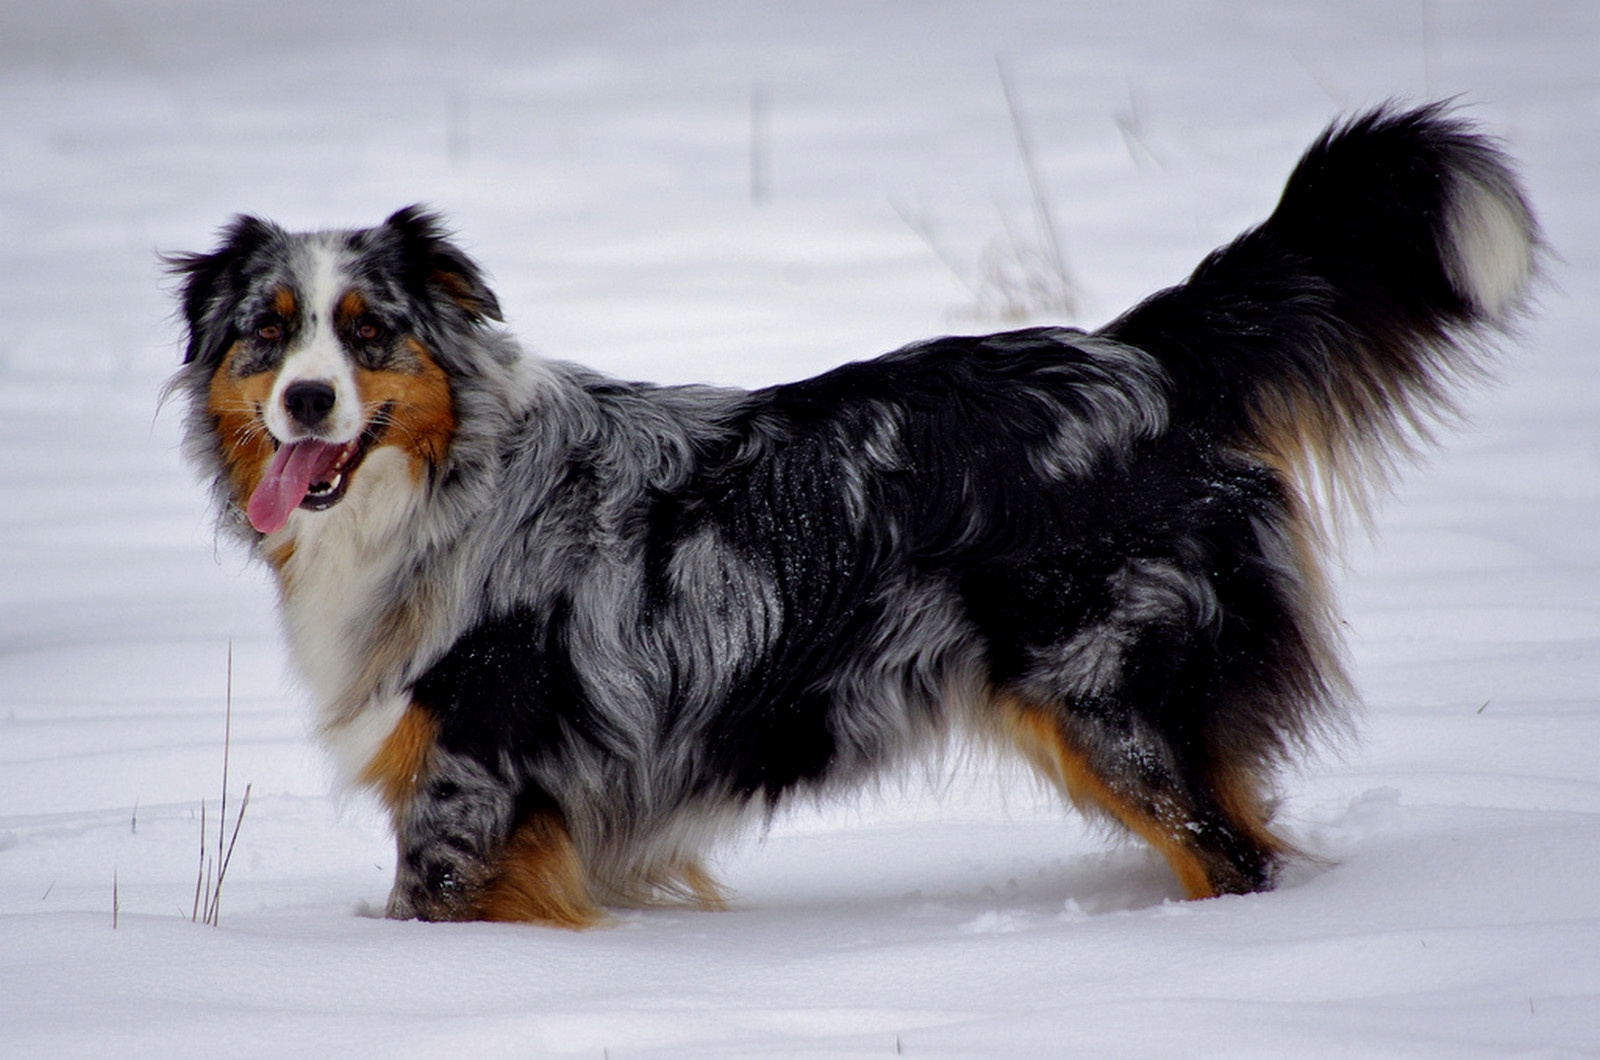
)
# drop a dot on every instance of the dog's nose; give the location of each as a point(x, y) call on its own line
point(309, 401)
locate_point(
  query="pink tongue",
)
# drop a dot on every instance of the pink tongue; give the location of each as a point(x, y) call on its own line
point(294, 468)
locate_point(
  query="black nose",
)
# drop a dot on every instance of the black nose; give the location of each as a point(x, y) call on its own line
point(309, 401)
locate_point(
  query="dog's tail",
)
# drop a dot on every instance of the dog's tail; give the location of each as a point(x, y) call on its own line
point(1327, 340)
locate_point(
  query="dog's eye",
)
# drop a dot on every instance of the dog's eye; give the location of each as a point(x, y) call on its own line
point(368, 329)
point(269, 332)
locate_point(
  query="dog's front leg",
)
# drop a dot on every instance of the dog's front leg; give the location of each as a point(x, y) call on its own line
point(450, 837)
point(474, 845)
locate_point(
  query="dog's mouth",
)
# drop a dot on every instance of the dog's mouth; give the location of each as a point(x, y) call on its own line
point(309, 474)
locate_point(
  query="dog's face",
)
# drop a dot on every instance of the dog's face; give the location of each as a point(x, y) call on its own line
point(319, 349)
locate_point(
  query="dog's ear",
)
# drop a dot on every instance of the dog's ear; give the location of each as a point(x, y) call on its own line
point(213, 283)
point(440, 265)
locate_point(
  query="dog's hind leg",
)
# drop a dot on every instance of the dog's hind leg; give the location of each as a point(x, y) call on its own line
point(1164, 690)
point(1212, 831)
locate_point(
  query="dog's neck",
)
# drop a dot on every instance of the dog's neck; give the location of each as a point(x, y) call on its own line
point(338, 573)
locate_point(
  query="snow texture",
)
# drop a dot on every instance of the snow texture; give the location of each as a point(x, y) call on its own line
point(744, 193)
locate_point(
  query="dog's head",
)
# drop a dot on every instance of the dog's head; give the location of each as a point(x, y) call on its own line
point(308, 351)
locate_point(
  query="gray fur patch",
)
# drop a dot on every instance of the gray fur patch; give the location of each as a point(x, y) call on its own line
point(1118, 397)
point(1148, 593)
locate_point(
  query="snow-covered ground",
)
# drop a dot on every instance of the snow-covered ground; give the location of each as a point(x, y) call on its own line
point(747, 192)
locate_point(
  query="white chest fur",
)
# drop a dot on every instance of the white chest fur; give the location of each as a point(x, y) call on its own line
point(334, 585)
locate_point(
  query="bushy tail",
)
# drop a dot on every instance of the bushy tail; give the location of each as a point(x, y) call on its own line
point(1328, 339)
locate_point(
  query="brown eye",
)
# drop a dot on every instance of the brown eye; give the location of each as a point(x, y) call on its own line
point(368, 328)
point(270, 332)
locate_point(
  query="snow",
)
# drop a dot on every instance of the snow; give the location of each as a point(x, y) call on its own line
point(597, 158)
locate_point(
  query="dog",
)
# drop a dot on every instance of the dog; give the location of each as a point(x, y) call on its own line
point(571, 630)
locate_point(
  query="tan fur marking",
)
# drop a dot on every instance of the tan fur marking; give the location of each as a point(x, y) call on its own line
point(422, 416)
point(402, 758)
point(681, 881)
point(1040, 740)
point(540, 879)
point(708, 893)
point(351, 305)
point(279, 557)
point(1238, 795)
point(283, 303)
point(1302, 454)
point(458, 291)
point(235, 404)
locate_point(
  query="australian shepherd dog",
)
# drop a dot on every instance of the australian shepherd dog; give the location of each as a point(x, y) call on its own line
point(571, 629)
